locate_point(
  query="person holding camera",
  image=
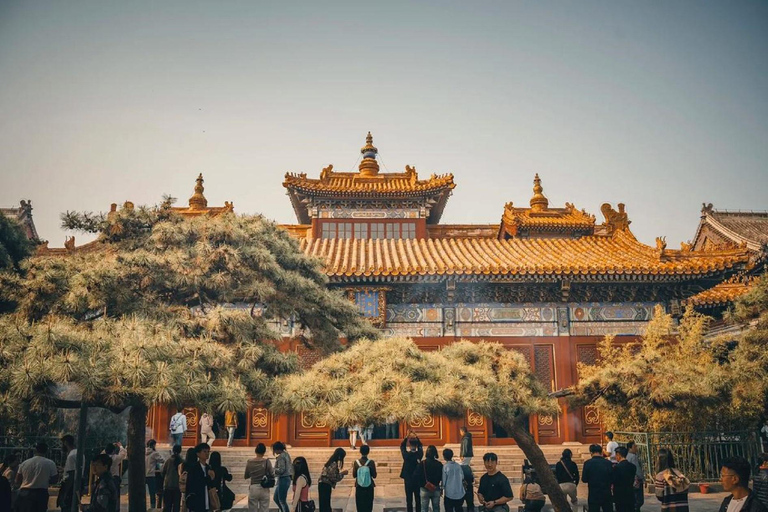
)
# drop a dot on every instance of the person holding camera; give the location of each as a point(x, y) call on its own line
point(412, 451)
point(531, 494)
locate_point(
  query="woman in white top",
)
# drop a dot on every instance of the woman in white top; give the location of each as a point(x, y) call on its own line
point(301, 483)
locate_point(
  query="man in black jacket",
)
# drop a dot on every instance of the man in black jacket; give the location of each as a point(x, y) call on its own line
point(734, 475)
point(624, 482)
point(412, 451)
point(597, 474)
point(199, 480)
point(465, 451)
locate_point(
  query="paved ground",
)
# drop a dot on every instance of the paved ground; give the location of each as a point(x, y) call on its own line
point(389, 499)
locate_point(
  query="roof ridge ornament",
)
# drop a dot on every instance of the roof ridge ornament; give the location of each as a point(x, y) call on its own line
point(615, 220)
point(539, 203)
point(198, 200)
point(369, 167)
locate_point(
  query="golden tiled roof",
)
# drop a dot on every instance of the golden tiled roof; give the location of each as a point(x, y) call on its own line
point(619, 254)
point(721, 294)
point(357, 184)
point(198, 204)
point(540, 218)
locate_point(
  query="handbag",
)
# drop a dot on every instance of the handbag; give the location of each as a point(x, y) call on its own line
point(213, 499)
point(429, 486)
point(267, 481)
point(227, 497)
point(309, 505)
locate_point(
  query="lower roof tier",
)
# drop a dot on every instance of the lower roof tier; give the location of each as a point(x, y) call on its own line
point(617, 256)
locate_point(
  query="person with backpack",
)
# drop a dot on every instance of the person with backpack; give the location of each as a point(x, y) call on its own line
point(671, 484)
point(178, 426)
point(531, 494)
point(332, 473)
point(430, 475)
point(567, 474)
point(170, 474)
point(364, 472)
point(301, 484)
point(262, 476)
point(452, 483)
point(412, 455)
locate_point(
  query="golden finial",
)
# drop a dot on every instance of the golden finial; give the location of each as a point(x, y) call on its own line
point(538, 201)
point(369, 166)
point(198, 200)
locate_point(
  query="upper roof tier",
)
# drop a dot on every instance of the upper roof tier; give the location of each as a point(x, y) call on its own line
point(368, 183)
point(541, 220)
point(198, 204)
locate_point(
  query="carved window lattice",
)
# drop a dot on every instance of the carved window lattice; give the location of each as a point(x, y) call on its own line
point(542, 356)
point(587, 354)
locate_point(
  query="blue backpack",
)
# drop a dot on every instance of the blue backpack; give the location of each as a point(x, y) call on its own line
point(363, 474)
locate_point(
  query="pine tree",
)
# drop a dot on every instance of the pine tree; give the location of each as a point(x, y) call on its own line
point(672, 379)
point(375, 381)
point(163, 309)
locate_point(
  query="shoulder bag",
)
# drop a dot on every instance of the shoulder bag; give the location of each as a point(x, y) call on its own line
point(569, 473)
point(267, 481)
point(429, 486)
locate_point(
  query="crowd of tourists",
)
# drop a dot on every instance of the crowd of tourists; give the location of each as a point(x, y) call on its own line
point(197, 482)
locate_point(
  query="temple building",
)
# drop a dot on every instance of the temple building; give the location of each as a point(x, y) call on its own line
point(23, 215)
point(547, 281)
point(723, 229)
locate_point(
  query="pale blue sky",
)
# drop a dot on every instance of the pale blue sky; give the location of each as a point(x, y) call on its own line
point(661, 105)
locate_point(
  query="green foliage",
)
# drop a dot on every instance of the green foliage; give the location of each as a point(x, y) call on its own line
point(750, 357)
point(375, 381)
point(163, 309)
point(671, 380)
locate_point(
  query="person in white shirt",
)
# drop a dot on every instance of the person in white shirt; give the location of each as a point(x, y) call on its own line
point(34, 477)
point(206, 429)
point(734, 476)
point(68, 478)
point(117, 453)
point(610, 448)
point(178, 426)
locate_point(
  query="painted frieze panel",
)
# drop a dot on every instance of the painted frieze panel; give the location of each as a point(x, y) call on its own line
point(414, 330)
point(606, 328)
point(369, 214)
point(505, 313)
point(617, 312)
point(521, 329)
point(412, 313)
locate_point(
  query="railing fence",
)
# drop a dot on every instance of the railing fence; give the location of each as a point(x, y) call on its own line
point(697, 454)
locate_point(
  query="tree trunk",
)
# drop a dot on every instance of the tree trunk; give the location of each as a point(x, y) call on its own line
point(80, 457)
point(137, 494)
point(535, 456)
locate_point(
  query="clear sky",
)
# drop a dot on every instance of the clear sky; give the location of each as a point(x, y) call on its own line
point(661, 105)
